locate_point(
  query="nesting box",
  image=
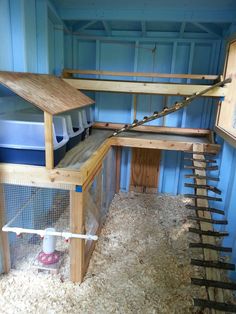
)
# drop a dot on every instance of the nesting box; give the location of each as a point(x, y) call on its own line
point(37, 139)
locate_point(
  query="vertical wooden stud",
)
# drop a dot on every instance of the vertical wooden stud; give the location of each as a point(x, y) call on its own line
point(49, 153)
point(4, 244)
point(77, 246)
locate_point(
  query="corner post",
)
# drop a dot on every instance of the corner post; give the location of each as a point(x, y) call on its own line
point(77, 246)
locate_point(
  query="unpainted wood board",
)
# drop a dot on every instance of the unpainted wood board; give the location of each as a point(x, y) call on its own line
point(145, 169)
point(49, 93)
point(144, 87)
point(69, 72)
point(155, 129)
point(77, 246)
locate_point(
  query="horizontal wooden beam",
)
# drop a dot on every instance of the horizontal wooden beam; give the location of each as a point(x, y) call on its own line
point(144, 87)
point(68, 177)
point(155, 129)
point(159, 144)
point(39, 176)
point(142, 74)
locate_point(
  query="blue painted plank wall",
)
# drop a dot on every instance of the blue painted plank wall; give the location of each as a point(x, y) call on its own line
point(165, 55)
point(32, 39)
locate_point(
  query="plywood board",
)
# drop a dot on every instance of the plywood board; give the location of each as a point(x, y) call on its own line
point(145, 170)
point(47, 92)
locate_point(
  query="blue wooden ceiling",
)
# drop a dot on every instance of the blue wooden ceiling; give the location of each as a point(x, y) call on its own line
point(210, 17)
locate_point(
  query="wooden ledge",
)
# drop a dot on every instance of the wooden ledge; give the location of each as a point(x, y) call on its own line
point(144, 87)
point(68, 176)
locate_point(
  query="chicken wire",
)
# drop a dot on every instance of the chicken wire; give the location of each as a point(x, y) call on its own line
point(34, 208)
point(37, 208)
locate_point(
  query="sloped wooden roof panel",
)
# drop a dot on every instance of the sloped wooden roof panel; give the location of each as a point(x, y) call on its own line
point(47, 92)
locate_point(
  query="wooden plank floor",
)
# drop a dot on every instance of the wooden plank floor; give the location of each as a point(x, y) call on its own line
point(87, 149)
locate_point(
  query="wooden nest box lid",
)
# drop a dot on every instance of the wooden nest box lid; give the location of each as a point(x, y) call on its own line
point(47, 92)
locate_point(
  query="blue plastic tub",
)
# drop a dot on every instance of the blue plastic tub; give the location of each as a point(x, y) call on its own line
point(23, 141)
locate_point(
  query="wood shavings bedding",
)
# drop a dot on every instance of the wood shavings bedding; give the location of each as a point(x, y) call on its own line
point(141, 264)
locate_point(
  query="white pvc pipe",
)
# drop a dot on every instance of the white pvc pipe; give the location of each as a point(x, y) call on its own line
point(43, 233)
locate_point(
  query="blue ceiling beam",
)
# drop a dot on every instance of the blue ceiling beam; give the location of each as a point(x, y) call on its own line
point(81, 26)
point(107, 28)
point(182, 29)
point(152, 14)
point(143, 25)
point(209, 29)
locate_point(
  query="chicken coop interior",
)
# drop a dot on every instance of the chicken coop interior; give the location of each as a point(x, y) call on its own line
point(118, 156)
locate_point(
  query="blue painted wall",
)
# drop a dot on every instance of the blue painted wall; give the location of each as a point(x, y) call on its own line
point(32, 40)
point(165, 55)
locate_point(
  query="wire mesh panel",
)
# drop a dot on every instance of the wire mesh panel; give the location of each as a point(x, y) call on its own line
point(99, 196)
point(33, 208)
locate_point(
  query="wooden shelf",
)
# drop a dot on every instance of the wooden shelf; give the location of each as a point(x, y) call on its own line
point(143, 87)
point(83, 162)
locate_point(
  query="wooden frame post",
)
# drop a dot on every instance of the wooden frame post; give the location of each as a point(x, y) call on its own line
point(77, 246)
point(4, 243)
point(49, 152)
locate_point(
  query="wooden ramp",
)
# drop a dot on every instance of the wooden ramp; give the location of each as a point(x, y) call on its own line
point(211, 250)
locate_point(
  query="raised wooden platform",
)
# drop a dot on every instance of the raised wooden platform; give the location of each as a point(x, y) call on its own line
point(80, 163)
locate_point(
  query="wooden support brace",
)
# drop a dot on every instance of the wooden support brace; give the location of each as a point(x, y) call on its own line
point(77, 246)
point(49, 152)
point(4, 243)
